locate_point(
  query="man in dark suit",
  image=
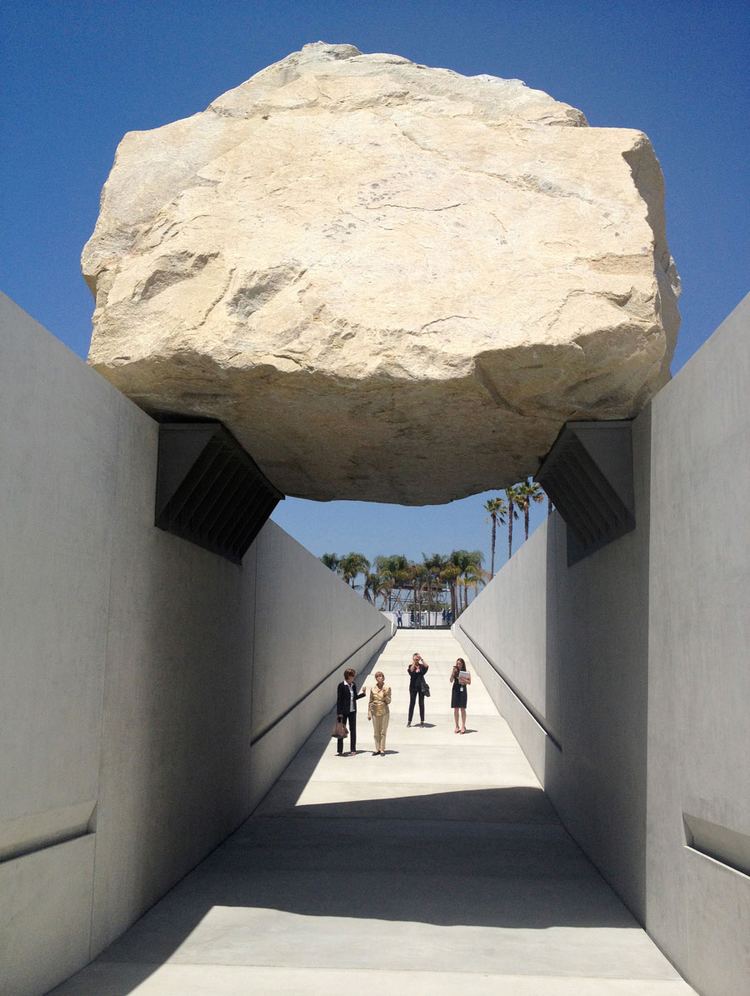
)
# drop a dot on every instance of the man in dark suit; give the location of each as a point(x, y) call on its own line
point(346, 709)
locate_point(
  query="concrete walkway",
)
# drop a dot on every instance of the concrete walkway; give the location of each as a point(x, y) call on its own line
point(440, 868)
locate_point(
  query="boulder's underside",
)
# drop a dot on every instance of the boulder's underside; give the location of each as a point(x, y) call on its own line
point(390, 282)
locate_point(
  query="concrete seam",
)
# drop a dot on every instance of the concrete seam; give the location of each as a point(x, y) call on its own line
point(650, 980)
point(105, 669)
point(252, 655)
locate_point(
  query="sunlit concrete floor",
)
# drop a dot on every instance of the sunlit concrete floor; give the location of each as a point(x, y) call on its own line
point(439, 868)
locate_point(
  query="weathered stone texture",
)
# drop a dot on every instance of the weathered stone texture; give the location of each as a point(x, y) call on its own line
point(390, 282)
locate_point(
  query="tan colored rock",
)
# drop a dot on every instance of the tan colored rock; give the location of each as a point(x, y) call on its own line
point(390, 282)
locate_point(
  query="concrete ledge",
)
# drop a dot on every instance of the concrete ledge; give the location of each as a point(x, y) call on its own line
point(35, 831)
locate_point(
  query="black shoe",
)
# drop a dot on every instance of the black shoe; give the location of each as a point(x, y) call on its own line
point(409, 723)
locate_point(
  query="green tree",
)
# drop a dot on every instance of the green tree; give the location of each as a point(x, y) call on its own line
point(472, 577)
point(511, 494)
point(420, 577)
point(527, 491)
point(331, 561)
point(497, 509)
point(394, 568)
point(434, 564)
point(353, 564)
point(450, 575)
point(375, 586)
point(466, 564)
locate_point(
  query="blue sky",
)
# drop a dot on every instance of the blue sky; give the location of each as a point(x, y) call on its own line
point(78, 75)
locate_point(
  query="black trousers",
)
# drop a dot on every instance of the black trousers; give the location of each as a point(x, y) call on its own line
point(413, 693)
point(351, 722)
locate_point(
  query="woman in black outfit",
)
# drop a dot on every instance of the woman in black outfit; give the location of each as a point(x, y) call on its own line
point(417, 670)
point(459, 693)
point(346, 710)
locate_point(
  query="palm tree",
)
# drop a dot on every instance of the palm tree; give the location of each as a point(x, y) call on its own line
point(497, 510)
point(466, 562)
point(394, 569)
point(473, 577)
point(353, 564)
point(434, 564)
point(511, 494)
point(375, 585)
point(450, 575)
point(331, 561)
point(473, 573)
point(422, 578)
point(526, 492)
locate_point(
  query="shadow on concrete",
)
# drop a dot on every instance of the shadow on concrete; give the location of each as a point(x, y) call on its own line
point(484, 857)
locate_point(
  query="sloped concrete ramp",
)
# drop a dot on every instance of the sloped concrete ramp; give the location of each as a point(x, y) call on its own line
point(440, 868)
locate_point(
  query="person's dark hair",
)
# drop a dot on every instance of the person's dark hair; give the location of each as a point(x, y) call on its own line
point(460, 660)
point(349, 673)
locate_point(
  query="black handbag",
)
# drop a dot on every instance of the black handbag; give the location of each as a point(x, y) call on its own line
point(425, 688)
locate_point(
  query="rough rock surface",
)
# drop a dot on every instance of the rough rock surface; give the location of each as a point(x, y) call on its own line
point(390, 282)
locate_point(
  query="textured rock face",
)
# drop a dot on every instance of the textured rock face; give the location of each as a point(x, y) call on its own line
point(390, 282)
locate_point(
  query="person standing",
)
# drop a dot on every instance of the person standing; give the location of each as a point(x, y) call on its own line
point(460, 679)
point(346, 710)
point(378, 711)
point(417, 670)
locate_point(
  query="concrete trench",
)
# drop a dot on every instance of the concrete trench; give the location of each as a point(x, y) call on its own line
point(440, 867)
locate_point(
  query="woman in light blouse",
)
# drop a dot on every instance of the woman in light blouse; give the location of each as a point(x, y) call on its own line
point(378, 712)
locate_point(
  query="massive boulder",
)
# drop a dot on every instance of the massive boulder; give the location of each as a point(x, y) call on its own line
point(390, 282)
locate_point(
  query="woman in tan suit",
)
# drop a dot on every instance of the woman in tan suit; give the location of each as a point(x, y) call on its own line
point(378, 712)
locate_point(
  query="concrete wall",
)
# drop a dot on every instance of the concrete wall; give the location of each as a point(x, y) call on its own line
point(139, 673)
point(625, 677)
point(699, 675)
